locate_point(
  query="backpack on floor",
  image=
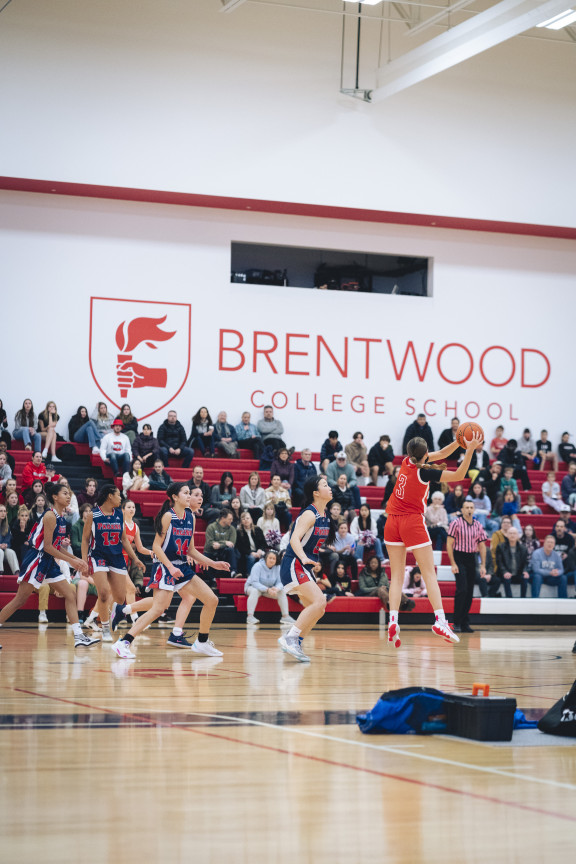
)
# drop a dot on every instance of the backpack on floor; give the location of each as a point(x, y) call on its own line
point(561, 718)
point(410, 709)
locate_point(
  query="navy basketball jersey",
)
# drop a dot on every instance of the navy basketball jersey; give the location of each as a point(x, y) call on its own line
point(107, 533)
point(314, 539)
point(36, 536)
point(178, 536)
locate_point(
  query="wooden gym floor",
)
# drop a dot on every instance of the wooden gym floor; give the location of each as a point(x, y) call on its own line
point(256, 758)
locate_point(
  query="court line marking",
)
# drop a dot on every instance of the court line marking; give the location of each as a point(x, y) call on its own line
point(515, 805)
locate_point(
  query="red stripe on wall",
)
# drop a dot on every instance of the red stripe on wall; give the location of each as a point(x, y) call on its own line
point(286, 208)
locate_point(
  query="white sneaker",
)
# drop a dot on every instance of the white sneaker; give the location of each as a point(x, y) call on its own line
point(56, 459)
point(106, 634)
point(206, 648)
point(282, 643)
point(287, 620)
point(294, 648)
point(92, 622)
point(84, 641)
point(122, 649)
point(444, 630)
point(95, 451)
point(42, 617)
point(394, 635)
point(252, 620)
point(44, 452)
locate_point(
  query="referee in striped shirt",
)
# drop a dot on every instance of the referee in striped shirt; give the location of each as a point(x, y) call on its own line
point(466, 538)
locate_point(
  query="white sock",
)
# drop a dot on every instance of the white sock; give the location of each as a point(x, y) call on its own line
point(393, 617)
point(177, 631)
point(439, 615)
point(77, 629)
point(106, 624)
point(127, 609)
point(134, 616)
point(294, 633)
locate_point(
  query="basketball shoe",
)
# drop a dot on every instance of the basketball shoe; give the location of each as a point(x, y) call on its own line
point(444, 630)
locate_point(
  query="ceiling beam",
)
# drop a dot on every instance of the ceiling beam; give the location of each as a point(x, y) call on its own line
point(498, 24)
point(230, 5)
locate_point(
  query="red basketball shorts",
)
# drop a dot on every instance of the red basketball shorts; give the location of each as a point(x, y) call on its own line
point(408, 530)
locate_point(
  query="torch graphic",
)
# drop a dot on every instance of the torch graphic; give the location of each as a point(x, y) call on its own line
point(128, 336)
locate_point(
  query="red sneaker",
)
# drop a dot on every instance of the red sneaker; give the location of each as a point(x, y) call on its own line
point(394, 635)
point(444, 629)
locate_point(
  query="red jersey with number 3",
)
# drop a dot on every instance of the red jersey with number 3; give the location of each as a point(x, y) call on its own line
point(410, 493)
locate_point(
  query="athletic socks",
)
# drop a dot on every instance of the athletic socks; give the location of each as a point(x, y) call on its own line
point(293, 633)
point(177, 631)
point(128, 638)
point(440, 616)
point(127, 609)
point(133, 616)
point(393, 617)
point(202, 637)
point(77, 628)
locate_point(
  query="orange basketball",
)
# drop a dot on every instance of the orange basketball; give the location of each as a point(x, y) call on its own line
point(465, 432)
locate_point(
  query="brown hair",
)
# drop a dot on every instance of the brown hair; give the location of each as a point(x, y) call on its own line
point(417, 450)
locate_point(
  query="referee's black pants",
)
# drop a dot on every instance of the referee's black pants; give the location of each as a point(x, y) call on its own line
point(465, 580)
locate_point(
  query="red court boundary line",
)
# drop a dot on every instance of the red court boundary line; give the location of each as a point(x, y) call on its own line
point(285, 208)
point(488, 798)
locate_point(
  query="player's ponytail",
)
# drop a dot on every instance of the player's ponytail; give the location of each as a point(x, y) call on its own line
point(51, 490)
point(311, 486)
point(105, 492)
point(171, 492)
point(417, 450)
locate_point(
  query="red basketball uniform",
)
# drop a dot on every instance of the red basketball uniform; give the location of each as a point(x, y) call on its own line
point(405, 525)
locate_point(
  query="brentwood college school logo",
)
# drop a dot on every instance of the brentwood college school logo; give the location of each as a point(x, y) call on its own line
point(139, 351)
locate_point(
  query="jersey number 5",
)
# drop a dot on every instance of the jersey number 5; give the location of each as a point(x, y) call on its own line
point(400, 485)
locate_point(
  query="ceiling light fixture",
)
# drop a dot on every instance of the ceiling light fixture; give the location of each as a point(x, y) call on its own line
point(364, 2)
point(559, 21)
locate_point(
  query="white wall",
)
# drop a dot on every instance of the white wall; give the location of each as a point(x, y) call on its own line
point(489, 290)
point(174, 95)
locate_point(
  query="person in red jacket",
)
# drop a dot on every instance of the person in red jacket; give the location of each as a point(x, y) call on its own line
point(33, 470)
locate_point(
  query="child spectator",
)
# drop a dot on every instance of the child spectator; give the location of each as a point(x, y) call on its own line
point(551, 494)
point(498, 442)
point(135, 479)
point(531, 506)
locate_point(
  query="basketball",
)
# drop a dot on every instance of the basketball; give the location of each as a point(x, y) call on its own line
point(465, 432)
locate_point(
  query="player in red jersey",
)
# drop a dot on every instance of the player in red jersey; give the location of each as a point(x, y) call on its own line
point(406, 528)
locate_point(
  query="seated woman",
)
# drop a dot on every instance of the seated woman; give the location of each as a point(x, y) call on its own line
point(344, 547)
point(343, 495)
point(225, 438)
point(437, 520)
point(365, 533)
point(482, 507)
point(341, 582)
point(413, 583)
point(202, 435)
point(253, 497)
point(20, 533)
point(8, 556)
point(270, 526)
point(146, 446)
point(83, 430)
point(282, 466)
point(135, 479)
point(224, 491)
point(130, 422)
point(454, 501)
point(39, 507)
point(30, 494)
point(4, 434)
point(102, 419)
point(159, 478)
point(25, 427)
point(277, 495)
point(250, 544)
point(264, 581)
point(72, 511)
point(12, 506)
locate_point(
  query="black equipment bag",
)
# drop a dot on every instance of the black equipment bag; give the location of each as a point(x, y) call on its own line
point(561, 718)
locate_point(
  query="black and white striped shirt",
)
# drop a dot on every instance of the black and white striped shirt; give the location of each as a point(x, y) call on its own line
point(466, 536)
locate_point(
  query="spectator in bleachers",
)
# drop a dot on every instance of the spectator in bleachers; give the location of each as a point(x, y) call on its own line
point(566, 450)
point(508, 481)
point(545, 452)
point(365, 533)
point(454, 501)
point(39, 507)
point(491, 480)
point(249, 436)
point(145, 446)
point(527, 446)
point(102, 419)
point(531, 507)
point(225, 438)
point(323, 581)
point(329, 449)
point(564, 542)
point(7, 554)
point(341, 582)
point(357, 454)
point(512, 559)
point(419, 429)
point(336, 469)
point(236, 509)
point(344, 546)
point(511, 457)
point(72, 511)
point(159, 478)
point(250, 544)
point(551, 494)
point(342, 494)
point(5, 470)
point(9, 488)
point(90, 493)
point(373, 581)
point(172, 440)
point(13, 505)
point(498, 537)
point(303, 470)
point(33, 470)
point(498, 443)
point(4, 434)
point(130, 422)
point(25, 427)
point(270, 526)
point(413, 582)
point(280, 497)
point(335, 511)
point(437, 521)
point(202, 434)
point(390, 484)
point(281, 465)
point(568, 486)
point(220, 541)
point(264, 581)
point(77, 530)
point(381, 459)
point(488, 582)
point(507, 505)
point(448, 436)
point(253, 497)
point(30, 494)
point(19, 532)
point(47, 422)
point(115, 449)
point(83, 430)
point(547, 567)
point(224, 491)
point(197, 482)
point(270, 429)
point(135, 479)
point(9, 457)
point(479, 464)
